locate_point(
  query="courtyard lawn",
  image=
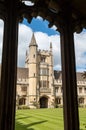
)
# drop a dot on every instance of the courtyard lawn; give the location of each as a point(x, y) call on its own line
point(82, 115)
point(39, 119)
point(44, 119)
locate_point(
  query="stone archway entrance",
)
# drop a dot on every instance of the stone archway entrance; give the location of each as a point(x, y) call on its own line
point(43, 102)
point(22, 101)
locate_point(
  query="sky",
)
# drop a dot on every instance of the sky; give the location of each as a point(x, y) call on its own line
point(44, 35)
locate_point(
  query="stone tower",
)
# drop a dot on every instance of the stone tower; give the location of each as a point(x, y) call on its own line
point(31, 64)
point(40, 91)
point(46, 93)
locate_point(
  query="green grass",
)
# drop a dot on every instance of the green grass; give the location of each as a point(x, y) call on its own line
point(44, 119)
point(39, 119)
point(82, 115)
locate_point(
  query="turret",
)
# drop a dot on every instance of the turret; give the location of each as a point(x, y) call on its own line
point(50, 46)
point(51, 71)
point(33, 41)
point(31, 52)
point(32, 65)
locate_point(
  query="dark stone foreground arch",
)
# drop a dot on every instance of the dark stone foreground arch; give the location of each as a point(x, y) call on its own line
point(69, 16)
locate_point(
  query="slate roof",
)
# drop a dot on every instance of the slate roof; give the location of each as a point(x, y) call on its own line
point(58, 76)
point(80, 76)
point(22, 73)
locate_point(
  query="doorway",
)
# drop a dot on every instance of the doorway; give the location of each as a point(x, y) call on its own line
point(43, 102)
point(22, 101)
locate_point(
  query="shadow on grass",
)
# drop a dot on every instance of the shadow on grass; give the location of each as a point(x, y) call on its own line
point(21, 126)
point(84, 127)
point(20, 118)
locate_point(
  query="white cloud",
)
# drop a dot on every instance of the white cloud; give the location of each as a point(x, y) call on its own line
point(25, 34)
point(80, 50)
point(55, 39)
point(54, 27)
point(39, 17)
point(28, 3)
point(43, 41)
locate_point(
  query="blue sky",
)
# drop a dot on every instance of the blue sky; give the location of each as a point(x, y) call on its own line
point(40, 25)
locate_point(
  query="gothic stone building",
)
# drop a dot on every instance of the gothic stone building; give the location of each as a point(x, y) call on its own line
point(38, 85)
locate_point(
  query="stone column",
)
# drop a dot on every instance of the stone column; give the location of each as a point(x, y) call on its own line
point(9, 69)
point(71, 119)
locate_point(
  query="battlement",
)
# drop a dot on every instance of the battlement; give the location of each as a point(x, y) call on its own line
point(43, 52)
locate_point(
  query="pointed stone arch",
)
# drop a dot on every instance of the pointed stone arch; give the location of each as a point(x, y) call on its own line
point(22, 101)
point(44, 101)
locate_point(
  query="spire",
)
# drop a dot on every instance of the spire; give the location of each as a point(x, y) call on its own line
point(27, 52)
point(33, 41)
point(50, 46)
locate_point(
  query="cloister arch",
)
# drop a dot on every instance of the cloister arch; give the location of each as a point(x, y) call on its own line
point(68, 16)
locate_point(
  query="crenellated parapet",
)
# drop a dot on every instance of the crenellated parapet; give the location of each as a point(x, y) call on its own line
point(44, 52)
